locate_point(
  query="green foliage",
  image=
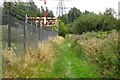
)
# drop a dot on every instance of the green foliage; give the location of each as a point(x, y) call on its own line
point(49, 12)
point(73, 14)
point(86, 12)
point(68, 64)
point(70, 28)
point(102, 49)
point(79, 23)
point(118, 25)
point(20, 9)
point(73, 39)
point(107, 59)
point(54, 28)
point(62, 29)
point(109, 11)
point(90, 55)
point(64, 18)
point(94, 22)
point(99, 48)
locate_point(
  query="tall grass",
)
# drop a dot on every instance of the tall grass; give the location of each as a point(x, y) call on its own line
point(100, 48)
point(36, 63)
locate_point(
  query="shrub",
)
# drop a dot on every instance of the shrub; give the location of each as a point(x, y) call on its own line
point(102, 51)
point(62, 29)
point(73, 40)
point(94, 22)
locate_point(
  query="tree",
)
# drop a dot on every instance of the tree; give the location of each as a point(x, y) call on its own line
point(94, 22)
point(20, 9)
point(64, 18)
point(86, 12)
point(48, 12)
point(73, 14)
point(109, 11)
point(86, 22)
point(62, 29)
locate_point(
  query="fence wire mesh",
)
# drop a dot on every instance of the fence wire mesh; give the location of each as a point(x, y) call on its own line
point(23, 35)
point(0, 51)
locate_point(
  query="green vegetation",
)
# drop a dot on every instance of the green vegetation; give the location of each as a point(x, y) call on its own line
point(94, 22)
point(100, 49)
point(35, 63)
point(69, 65)
point(89, 21)
point(98, 38)
point(90, 55)
point(20, 9)
point(89, 48)
point(62, 29)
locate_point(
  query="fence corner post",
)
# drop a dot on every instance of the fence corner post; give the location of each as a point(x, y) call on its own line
point(24, 32)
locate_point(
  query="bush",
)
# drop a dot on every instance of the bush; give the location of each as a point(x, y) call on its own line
point(94, 22)
point(107, 59)
point(102, 50)
point(73, 40)
point(62, 29)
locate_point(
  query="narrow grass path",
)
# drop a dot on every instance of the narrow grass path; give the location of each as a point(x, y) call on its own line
point(69, 65)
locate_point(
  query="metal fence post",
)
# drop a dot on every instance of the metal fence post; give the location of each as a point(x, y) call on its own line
point(24, 41)
point(9, 28)
point(39, 33)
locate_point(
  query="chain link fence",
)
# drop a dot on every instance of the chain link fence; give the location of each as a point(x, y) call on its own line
point(20, 35)
point(0, 51)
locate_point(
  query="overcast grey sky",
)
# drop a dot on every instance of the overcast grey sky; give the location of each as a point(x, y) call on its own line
point(90, 5)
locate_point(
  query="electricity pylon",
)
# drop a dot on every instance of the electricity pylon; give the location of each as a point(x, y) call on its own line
point(61, 9)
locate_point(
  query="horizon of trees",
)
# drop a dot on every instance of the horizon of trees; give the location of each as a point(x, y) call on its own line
point(75, 22)
point(78, 22)
point(20, 9)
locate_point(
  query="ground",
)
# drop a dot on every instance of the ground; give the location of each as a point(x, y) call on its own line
point(68, 64)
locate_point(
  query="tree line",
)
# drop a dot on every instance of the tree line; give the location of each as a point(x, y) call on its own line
point(77, 22)
point(20, 9)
